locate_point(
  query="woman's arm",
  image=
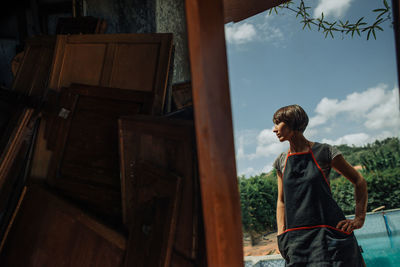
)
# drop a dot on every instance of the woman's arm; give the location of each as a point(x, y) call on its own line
point(280, 206)
point(360, 193)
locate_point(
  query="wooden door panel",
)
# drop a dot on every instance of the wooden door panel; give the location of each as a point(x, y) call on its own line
point(82, 64)
point(48, 231)
point(131, 62)
point(93, 127)
point(156, 195)
point(85, 163)
point(169, 144)
point(127, 61)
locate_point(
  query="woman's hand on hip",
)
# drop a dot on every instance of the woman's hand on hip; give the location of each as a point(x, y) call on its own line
point(350, 225)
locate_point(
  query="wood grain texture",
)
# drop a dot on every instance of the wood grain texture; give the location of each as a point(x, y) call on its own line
point(33, 72)
point(13, 146)
point(169, 144)
point(156, 193)
point(237, 10)
point(126, 61)
point(396, 28)
point(85, 164)
point(48, 231)
point(214, 133)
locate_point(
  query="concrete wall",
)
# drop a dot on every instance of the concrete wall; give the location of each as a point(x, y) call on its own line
point(170, 17)
point(124, 16)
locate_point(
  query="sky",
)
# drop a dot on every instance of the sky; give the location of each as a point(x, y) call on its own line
point(348, 86)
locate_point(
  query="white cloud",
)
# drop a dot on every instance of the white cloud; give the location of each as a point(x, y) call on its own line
point(240, 33)
point(335, 8)
point(242, 139)
point(357, 139)
point(386, 114)
point(261, 29)
point(268, 31)
point(267, 144)
point(248, 172)
point(267, 168)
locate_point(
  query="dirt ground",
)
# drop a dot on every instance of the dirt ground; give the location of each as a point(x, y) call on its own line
point(267, 246)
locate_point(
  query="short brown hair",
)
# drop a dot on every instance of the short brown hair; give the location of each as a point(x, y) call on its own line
point(294, 116)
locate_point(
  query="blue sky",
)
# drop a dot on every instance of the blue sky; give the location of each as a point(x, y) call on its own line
point(348, 86)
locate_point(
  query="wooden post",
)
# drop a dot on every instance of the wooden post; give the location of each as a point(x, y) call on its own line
point(214, 133)
point(396, 28)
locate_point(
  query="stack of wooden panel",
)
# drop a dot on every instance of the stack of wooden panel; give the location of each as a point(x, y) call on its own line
point(116, 182)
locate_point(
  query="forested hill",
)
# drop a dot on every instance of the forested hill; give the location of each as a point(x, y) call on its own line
point(377, 156)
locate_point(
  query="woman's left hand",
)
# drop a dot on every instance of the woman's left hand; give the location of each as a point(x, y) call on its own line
point(350, 225)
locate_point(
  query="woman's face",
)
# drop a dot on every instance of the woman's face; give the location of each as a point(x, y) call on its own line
point(282, 131)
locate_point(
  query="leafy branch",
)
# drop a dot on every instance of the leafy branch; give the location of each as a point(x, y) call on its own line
point(330, 28)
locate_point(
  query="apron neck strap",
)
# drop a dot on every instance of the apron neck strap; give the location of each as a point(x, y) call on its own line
point(309, 149)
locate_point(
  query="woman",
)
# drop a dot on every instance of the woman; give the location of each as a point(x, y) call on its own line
point(312, 229)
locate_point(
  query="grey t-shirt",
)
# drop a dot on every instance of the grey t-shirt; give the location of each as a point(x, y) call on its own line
point(323, 153)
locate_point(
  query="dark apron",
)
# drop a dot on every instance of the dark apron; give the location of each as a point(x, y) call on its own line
point(311, 215)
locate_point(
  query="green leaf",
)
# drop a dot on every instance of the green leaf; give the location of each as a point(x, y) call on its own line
point(377, 22)
point(386, 4)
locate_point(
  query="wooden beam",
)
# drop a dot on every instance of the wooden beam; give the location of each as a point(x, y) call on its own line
point(237, 10)
point(214, 133)
point(396, 28)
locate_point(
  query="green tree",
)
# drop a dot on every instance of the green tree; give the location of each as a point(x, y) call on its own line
point(383, 190)
point(258, 196)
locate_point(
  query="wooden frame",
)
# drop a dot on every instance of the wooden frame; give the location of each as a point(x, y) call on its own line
point(169, 144)
point(156, 193)
point(33, 72)
point(59, 233)
point(84, 164)
point(396, 29)
point(237, 10)
point(126, 61)
point(214, 132)
point(13, 146)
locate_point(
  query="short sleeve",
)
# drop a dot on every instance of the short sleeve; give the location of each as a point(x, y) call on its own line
point(333, 152)
point(278, 165)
